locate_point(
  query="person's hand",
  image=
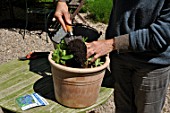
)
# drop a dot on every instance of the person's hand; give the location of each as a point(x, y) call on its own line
point(62, 14)
point(99, 48)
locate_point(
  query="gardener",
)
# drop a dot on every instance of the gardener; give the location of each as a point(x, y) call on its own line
point(138, 42)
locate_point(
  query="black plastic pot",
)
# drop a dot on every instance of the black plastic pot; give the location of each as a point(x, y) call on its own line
point(86, 31)
point(78, 30)
point(81, 30)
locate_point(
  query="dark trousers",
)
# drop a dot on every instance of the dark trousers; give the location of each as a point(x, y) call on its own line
point(139, 87)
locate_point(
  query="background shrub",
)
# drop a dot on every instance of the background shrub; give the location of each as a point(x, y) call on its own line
point(99, 10)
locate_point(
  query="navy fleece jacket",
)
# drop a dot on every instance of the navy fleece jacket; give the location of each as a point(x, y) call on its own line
point(148, 24)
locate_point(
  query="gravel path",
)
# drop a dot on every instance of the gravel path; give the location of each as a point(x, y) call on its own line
point(12, 46)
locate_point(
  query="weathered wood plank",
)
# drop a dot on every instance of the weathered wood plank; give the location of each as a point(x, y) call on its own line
point(9, 70)
point(24, 77)
point(18, 78)
point(15, 64)
point(19, 85)
point(23, 91)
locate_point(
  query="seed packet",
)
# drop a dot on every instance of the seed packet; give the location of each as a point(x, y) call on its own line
point(31, 100)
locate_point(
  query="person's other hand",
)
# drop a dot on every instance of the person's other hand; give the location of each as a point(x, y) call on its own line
point(99, 48)
point(62, 14)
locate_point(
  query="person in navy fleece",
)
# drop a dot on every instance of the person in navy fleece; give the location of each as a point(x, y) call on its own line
point(138, 43)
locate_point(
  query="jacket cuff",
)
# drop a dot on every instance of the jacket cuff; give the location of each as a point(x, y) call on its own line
point(122, 43)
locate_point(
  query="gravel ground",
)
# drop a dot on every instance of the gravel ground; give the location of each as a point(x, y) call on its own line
point(12, 46)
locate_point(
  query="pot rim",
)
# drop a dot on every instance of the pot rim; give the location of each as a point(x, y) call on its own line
point(79, 70)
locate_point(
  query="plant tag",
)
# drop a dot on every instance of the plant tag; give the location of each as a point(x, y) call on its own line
point(31, 100)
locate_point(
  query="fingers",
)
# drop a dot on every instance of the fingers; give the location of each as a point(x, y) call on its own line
point(67, 18)
point(62, 14)
point(96, 56)
point(60, 19)
point(63, 19)
point(92, 52)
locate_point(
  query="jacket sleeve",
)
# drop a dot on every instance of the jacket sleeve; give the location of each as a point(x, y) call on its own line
point(156, 37)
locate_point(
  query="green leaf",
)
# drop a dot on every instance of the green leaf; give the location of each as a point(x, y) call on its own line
point(63, 52)
point(55, 51)
point(97, 62)
point(56, 58)
point(67, 57)
point(85, 39)
point(63, 62)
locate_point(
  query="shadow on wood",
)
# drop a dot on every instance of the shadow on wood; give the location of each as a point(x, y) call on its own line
point(43, 86)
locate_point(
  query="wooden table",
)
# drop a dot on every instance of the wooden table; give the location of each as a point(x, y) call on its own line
point(24, 77)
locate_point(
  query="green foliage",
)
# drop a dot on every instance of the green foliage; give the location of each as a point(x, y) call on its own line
point(99, 9)
point(98, 62)
point(61, 56)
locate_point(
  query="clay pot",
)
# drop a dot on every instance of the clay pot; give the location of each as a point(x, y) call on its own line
point(77, 87)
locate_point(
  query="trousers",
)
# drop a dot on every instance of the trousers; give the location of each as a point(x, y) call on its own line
point(139, 87)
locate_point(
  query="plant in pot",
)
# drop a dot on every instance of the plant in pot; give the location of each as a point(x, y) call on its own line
point(76, 82)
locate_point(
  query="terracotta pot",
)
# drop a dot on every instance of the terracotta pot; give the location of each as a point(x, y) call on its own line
point(77, 87)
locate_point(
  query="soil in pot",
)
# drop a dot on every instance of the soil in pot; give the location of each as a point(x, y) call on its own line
point(78, 48)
